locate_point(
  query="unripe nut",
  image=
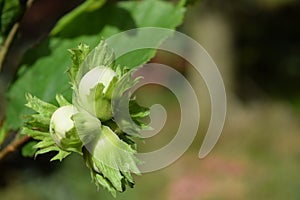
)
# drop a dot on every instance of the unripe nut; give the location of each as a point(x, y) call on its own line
point(61, 122)
point(98, 75)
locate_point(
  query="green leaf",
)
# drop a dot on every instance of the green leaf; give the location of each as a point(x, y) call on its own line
point(134, 14)
point(44, 112)
point(101, 181)
point(151, 13)
point(87, 6)
point(28, 150)
point(45, 77)
point(113, 153)
point(44, 66)
point(60, 156)
point(39, 106)
point(109, 157)
point(45, 145)
point(101, 55)
point(120, 103)
point(97, 177)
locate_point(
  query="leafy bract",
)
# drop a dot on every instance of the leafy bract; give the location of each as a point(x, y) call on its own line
point(43, 66)
point(37, 127)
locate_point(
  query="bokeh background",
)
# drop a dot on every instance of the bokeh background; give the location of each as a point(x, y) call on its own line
point(256, 45)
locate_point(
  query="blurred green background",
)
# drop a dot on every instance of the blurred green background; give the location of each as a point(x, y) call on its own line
point(256, 45)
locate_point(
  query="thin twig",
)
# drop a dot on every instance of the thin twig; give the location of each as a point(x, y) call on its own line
point(7, 43)
point(4, 48)
point(13, 146)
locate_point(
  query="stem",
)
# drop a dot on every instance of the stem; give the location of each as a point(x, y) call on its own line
point(7, 43)
point(13, 146)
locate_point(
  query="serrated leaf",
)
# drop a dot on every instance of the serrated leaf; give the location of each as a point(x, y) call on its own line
point(45, 143)
point(38, 135)
point(122, 102)
point(111, 158)
point(101, 55)
point(44, 111)
point(100, 180)
point(60, 155)
point(78, 55)
point(113, 152)
point(97, 177)
point(128, 178)
point(39, 106)
point(61, 100)
point(38, 120)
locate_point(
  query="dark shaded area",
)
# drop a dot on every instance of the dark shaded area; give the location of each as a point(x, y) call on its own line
point(39, 50)
point(23, 168)
point(42, 17)
point(267, 47)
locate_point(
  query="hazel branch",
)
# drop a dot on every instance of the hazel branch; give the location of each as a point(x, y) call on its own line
point(13, 146)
